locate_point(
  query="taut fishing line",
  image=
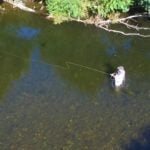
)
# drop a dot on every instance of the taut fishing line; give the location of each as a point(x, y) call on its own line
point(67, 63)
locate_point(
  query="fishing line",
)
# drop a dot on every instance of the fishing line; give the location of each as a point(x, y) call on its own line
point(32, 60)
point(90, 68)
point(67, 63)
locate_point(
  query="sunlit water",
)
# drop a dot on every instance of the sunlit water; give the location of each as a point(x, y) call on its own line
point(55, 95)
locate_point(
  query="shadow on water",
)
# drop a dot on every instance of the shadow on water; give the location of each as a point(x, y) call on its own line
point(142, 142)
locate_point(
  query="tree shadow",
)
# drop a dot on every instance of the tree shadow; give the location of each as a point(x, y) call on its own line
point(1, 2)
point(142, 142)
point(137, 7)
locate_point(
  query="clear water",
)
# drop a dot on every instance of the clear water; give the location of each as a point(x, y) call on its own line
point(54, 94)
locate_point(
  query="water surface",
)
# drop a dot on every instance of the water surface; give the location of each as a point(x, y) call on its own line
point(54, 94)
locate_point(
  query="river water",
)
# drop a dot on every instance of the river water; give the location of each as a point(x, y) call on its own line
point(55, 95)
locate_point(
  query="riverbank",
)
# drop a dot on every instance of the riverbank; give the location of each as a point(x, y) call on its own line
point(115, 18)
point(28, 6)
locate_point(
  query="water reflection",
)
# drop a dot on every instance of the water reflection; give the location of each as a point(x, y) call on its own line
point(12, 66)
point(15, 52)
point(27, 33)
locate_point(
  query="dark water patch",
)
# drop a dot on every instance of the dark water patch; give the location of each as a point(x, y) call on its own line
point(142, 142)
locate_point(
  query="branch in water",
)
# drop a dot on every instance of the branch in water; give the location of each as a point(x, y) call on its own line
point(121, 32)
point(103, 24)
point(133, 26)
